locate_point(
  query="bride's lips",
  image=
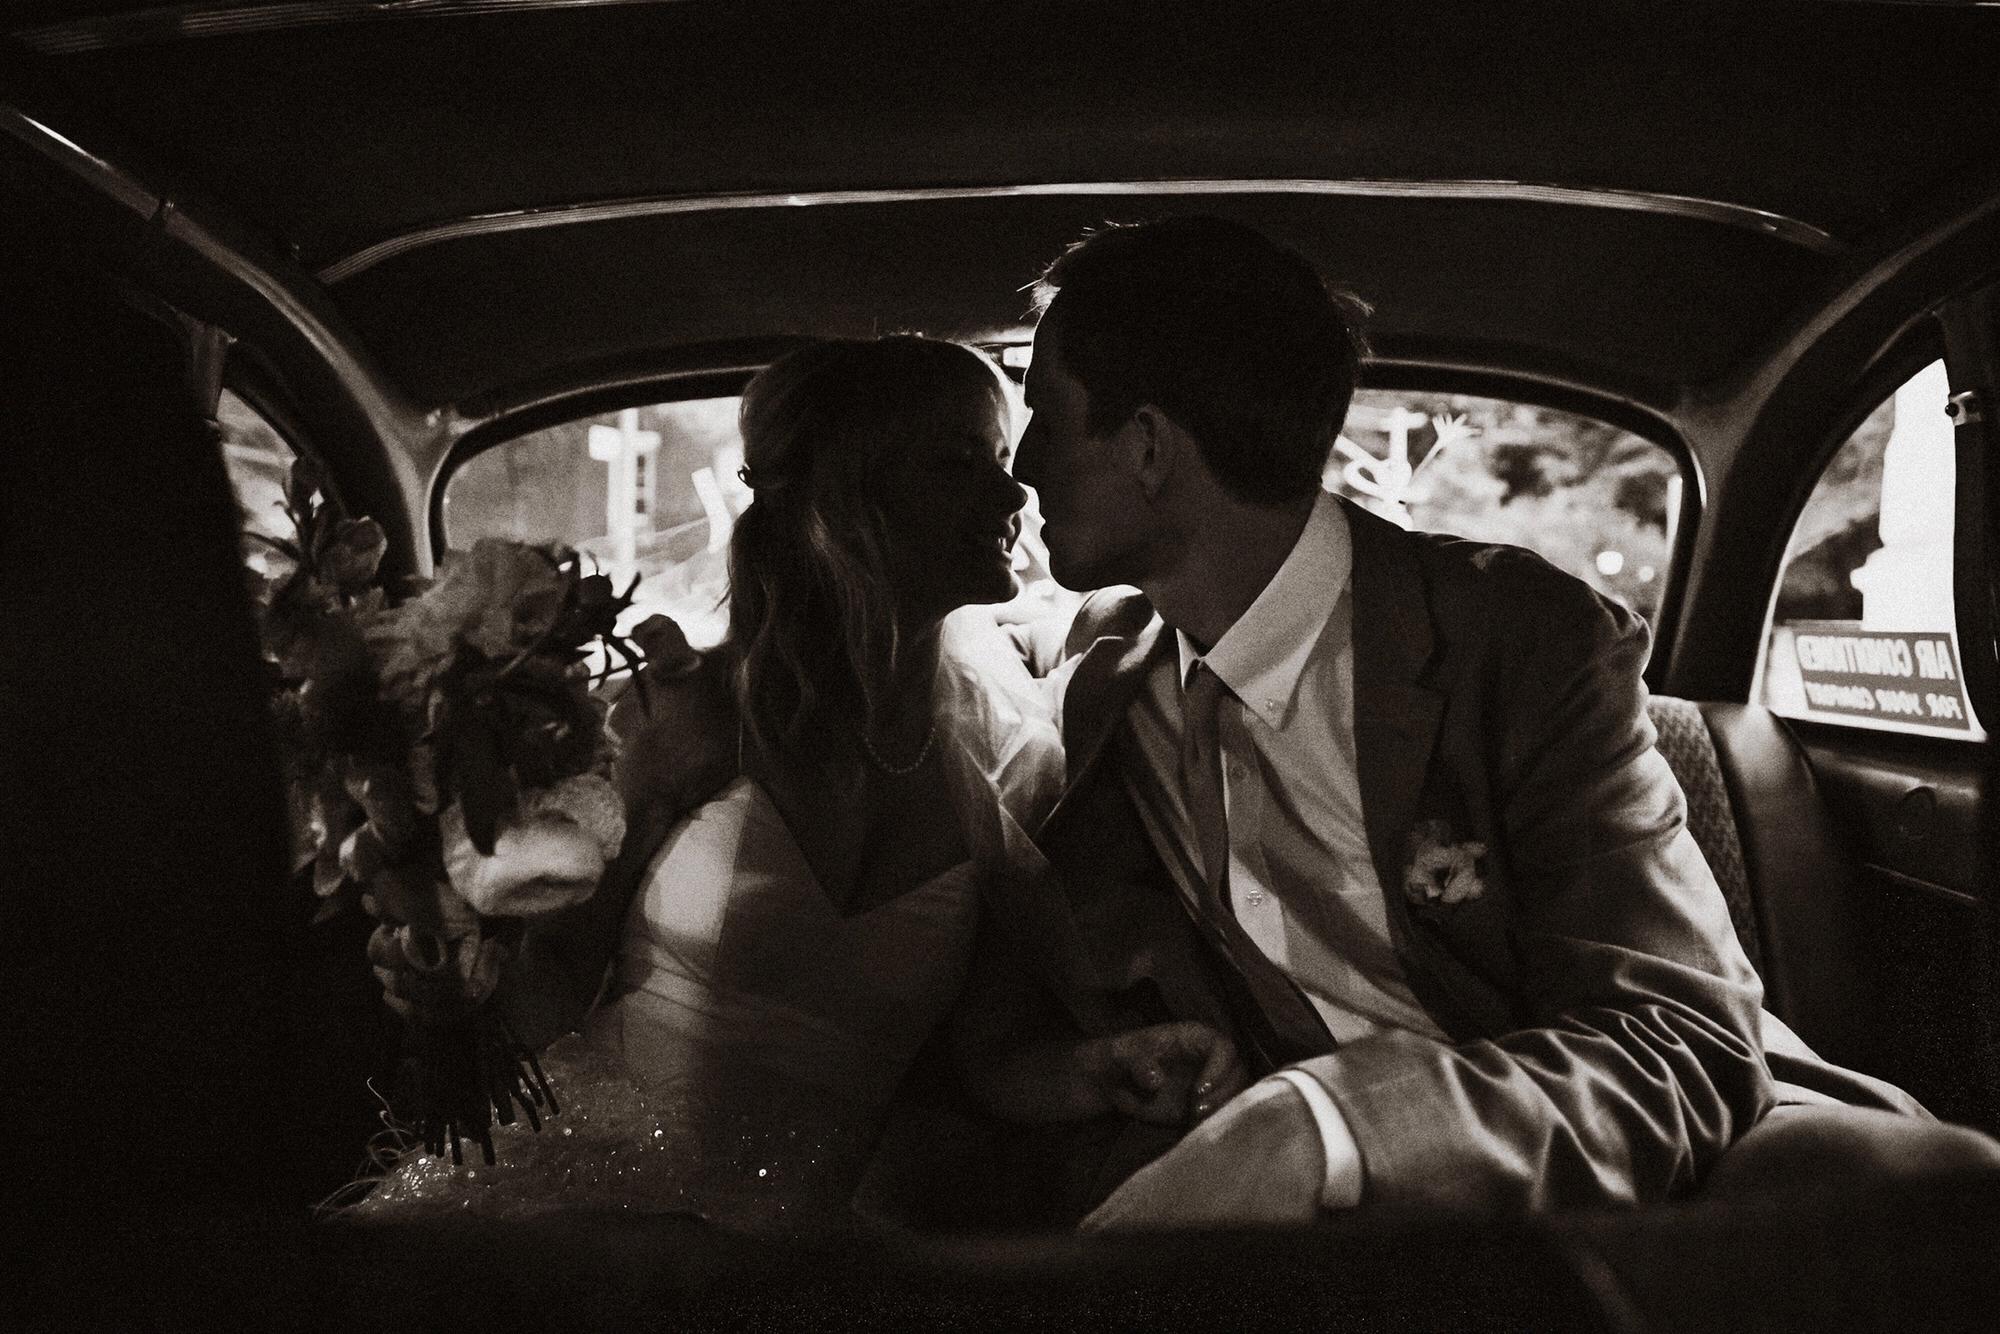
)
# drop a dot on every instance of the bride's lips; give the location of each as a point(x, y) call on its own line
point(997, 543)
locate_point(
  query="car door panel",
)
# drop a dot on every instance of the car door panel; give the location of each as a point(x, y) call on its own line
point(1918, 820)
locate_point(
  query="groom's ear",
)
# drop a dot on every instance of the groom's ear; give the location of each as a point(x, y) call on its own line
point(1155, 448)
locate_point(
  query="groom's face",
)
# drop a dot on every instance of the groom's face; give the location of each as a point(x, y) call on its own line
point(1093, 512)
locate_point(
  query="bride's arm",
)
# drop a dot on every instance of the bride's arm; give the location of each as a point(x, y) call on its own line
point(558, 969)
point(678, 748)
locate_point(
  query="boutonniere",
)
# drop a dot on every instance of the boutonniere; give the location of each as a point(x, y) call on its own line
point(1440, 871)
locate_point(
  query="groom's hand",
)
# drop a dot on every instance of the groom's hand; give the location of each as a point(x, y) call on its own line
point(1168, 1074)
point(1259, 1162)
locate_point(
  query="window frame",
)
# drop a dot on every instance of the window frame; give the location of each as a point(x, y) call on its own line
point(1969, 322)
point(1916, 345)
point(1394, 376)
point(559, 410)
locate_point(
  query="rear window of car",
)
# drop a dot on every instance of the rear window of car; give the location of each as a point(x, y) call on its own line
point(652, 492)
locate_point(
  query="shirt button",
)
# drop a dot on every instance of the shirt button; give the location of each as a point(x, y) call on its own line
point(1255, 898)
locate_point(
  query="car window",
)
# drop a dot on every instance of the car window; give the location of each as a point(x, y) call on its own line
point(1862, 628)
point(258, 461)
point(1598, 501)
point(650, 491)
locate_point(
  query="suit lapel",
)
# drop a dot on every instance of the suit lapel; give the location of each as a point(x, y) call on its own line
point(1397, 711)
point(1034, 900)
point(1396, 715)
point(1101, 688)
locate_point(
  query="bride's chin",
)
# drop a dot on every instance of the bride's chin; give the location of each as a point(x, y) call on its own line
point(1004, 587)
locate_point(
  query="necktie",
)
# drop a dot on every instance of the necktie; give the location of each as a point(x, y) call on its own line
point(1274, 1016)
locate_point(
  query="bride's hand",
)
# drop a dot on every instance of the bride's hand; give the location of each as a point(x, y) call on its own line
point(424, 978)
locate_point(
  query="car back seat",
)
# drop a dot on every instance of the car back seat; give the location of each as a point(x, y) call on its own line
point(1756, 813)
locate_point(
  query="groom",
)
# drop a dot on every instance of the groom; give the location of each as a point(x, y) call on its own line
point(1383, 806)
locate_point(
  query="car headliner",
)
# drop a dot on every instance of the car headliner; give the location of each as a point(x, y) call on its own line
point(1721, 170)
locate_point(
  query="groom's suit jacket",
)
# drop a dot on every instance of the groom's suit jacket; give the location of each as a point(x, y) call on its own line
point(1603, 1018)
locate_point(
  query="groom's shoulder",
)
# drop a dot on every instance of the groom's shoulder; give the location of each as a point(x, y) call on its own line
point(1498, 590)
point(1458, 572)
point(1496, 568)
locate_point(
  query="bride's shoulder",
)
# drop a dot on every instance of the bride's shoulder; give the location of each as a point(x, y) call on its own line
point(676, 726)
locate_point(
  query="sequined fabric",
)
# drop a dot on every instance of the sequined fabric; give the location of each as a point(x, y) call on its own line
point(742, 1165)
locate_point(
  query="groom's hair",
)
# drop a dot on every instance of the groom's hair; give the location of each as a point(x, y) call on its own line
point(1235, 337)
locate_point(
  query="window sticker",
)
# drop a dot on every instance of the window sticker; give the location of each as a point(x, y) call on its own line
point(1897, 677)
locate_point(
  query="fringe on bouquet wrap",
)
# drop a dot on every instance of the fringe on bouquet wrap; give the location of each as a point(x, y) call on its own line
point(459, 1079)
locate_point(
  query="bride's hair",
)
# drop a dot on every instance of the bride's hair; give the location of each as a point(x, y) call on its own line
point(809, 600)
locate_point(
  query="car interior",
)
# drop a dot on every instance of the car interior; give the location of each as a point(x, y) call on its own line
point(1743, 259)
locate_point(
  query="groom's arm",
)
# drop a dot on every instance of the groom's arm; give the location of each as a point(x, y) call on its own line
point(1636, 1063)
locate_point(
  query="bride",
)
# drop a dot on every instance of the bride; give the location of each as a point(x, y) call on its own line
point(817, 807)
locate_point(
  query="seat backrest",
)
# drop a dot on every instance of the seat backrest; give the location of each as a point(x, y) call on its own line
point(1690, 752)
point(1756, 813)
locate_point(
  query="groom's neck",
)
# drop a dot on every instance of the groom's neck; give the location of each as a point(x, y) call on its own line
point(1216, 563)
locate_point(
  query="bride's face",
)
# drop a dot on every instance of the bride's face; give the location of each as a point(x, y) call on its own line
point(952, 509)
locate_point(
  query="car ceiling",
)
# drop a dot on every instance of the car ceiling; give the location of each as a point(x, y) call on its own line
point(989, 134)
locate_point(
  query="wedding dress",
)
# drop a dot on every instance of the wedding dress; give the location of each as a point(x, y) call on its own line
point(757, 1035)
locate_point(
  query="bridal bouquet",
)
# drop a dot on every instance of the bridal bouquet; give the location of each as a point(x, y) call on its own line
point(447, 768)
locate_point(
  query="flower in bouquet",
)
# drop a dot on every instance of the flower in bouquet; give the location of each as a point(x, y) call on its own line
point(549, 856)
point(449, 767)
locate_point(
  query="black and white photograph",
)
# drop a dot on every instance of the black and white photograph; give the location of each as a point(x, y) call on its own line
point(1057, 665)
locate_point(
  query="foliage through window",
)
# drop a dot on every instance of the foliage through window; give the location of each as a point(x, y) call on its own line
point(1862, 629)
point(1594, 500)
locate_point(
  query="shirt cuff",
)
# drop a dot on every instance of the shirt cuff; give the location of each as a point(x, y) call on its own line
point(1343, 1155)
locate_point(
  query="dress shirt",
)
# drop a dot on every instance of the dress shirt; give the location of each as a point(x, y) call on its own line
point(1301, 879)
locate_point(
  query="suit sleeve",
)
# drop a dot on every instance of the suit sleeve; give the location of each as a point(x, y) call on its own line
point(1637, 1060)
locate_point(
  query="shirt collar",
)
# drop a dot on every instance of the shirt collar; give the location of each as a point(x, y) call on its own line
point(1263, 656)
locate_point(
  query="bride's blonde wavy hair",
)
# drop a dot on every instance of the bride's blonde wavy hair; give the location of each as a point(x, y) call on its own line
point(809, 599)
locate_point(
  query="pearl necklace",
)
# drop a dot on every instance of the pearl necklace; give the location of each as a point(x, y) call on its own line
point(902, 771)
